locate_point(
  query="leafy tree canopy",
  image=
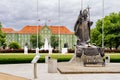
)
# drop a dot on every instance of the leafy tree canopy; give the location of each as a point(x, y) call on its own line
point(2, 36)
point(111, 31)
point(54, 41)
point(14, 45)
point(33, 40)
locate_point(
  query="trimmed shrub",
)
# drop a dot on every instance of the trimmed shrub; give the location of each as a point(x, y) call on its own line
point(55, 51)
point(46, 51)
point(43, 51)
point(15, 51)
point(14, 45)
point(112, 51)
point(12, 51)
point(22, 51)
point(71, 50)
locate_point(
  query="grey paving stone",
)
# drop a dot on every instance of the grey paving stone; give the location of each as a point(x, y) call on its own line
point(26, 70)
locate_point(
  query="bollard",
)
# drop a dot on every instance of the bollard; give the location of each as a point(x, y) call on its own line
point(37, 50)
point(50, 50)
point(64, 50)
point(107, 59)
point(52, 66)
point(25, 50)
point(35, 70)
point(47, 59)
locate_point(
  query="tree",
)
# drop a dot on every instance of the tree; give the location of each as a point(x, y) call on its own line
point(2, 36)
point(96, 37)
point(14, 45)
point(54, 41)
point(33, 40)
point(111, 31)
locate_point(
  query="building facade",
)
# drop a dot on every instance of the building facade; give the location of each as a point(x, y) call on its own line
point(23, 36)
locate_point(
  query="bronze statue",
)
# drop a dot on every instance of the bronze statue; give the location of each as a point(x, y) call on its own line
point(82, 27)
point(90, 54)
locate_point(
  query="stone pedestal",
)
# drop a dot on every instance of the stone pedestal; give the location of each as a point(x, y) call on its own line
point(25, 50)
point(64, 50)
point(37, 50)
point(50, 50)
point(52, 66)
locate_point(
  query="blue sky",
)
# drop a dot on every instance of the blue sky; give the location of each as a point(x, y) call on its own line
point(18, 13)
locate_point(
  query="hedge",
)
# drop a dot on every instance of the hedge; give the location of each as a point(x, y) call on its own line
point(112, 51)
point(46, 51)
point(22, 51)
point(27, 58)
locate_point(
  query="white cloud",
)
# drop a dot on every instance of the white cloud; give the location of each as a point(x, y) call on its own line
point(18, 13)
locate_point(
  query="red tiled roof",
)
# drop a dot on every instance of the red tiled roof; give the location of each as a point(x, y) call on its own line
point(33, 30)
point(7, 30)
point(60, 29)
point(30, 30)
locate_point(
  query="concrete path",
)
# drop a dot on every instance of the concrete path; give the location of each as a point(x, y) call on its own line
point(4, 76)
point(26, 70)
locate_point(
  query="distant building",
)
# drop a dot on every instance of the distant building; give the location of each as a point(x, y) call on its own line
point(23, 36)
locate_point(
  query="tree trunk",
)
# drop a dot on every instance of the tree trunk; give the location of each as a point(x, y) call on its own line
point(110, 48)
point(116, 47)
point(54, 47)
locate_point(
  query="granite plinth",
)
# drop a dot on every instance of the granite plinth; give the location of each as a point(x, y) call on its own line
point(77, 68)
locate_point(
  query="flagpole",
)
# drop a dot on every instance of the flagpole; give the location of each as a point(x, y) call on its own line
point(37, 25)
point(59, 21)
point(103, 24)
point(37, 47)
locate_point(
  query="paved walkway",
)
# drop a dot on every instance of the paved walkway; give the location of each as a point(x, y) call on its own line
point(26, 70)
point(4, 76)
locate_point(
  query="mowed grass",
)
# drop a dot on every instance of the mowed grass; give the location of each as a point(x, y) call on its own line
point(12, 58)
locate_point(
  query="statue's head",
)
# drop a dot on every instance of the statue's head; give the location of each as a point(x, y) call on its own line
point(85, 14)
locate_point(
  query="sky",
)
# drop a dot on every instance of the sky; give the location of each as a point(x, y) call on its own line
point(18, 13)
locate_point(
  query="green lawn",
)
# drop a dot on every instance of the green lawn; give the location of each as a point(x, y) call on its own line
point(11, 58)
